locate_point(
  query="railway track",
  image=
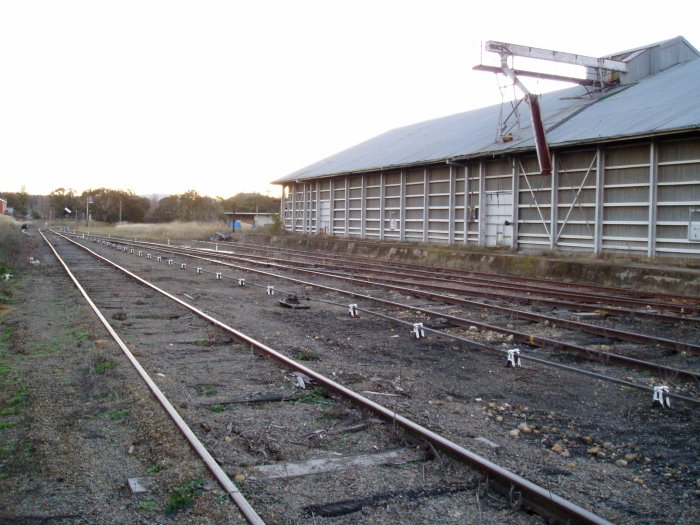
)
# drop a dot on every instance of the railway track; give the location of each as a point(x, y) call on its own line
point(582, 294)
point(210, 360)
point(216, 291)
point(610, 345)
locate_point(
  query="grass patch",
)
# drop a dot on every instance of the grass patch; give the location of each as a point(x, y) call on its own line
point(117, 415)
point(206, 390)
point(161, 231)
point(317, 396)
point(154, 469)
point(149, 504)
point(183, 496)
point(80, 336)
point(16, 403)
point(5, 338)
point(101, 367)
point(7, 424)
point(218, 408)
point(44, 348)
point(306, 355)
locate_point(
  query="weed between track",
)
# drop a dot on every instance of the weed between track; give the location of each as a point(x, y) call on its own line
point(183, 496)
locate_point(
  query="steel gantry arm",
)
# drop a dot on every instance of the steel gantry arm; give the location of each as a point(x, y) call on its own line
point(506, 50)
point(544, 158)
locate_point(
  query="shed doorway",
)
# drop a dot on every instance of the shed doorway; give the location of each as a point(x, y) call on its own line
point(325, 218)
point(499, 218)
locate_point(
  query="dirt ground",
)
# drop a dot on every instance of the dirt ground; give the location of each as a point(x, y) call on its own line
point(74, 427)
point(66, 454)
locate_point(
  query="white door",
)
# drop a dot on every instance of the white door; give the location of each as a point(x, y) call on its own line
point(499, 219)
point(325, 217)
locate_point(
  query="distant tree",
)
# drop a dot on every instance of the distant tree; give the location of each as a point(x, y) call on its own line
point(19, 202)
point(60, 199)
point(114, 205)
point(187, 206)
point(251, 203)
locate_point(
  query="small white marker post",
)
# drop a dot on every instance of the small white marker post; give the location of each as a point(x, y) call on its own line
point(241, 282)
point(661, 395)
point(514, 357)
point(353, 310)
point(270, 290)
point(418, 330)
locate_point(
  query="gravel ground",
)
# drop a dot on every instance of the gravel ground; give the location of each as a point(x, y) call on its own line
point(599, 445)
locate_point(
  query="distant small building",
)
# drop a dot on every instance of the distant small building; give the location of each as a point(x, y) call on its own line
point(251, 219)
point(3, 206)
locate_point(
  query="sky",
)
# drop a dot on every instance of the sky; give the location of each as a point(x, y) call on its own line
point(222, 97)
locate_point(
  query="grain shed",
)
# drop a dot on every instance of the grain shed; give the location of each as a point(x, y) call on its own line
point(625, 171)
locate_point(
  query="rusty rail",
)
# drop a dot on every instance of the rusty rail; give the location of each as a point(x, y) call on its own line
point(530, 495)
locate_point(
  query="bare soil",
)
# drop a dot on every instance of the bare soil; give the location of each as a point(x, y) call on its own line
point(76, 423)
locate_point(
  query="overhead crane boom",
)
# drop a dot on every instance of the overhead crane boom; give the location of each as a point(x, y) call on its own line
point(506, 50)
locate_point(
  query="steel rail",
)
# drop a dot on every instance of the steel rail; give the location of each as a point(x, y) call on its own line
point(452, 286)
point(456, 273)
point(231, 489)
point(631, 298)
point(525, 357)
point(674, 345)
point(529, 339)
point(614, 333)
point(475, 344)
point(581, 297)
point(532, 496)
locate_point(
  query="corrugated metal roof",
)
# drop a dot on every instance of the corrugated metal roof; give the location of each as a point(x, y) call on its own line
point(662, 103)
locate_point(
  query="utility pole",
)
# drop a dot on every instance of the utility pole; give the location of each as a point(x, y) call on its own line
point(88, 201)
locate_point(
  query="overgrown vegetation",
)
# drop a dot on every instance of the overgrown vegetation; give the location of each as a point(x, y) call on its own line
point(116, 415)
point(148, 504)
point(317, 396)
point(16, 403)
point(206, 390)
point(176, 231)
point(102, 366)
point(306, 355)
point(183, 496)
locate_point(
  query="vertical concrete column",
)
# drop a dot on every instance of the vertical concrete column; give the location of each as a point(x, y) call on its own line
point(317, 214)
point(347, 206)
point(402, 207)
point(331, 207)
point(426, 203)
point(653, 196)
point(467, 174)
point(516, 202)
point(363, 211)
point(305, 213)
point(294, 207)
point(382, 181)
point(554, 200)
point(482, 204)
point(599, 201)
point(451, 213)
